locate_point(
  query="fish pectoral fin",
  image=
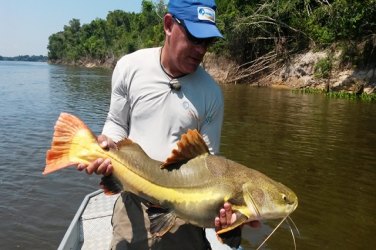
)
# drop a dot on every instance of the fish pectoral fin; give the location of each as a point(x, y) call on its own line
point(161, 220)
point(240, 220)
point(190, 146)
point(177, 224)
point(110, 185)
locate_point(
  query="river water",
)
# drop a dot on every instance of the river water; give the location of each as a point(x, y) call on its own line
point(324, 149)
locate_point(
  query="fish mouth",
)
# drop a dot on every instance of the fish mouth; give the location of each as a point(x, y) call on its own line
point(294, 206)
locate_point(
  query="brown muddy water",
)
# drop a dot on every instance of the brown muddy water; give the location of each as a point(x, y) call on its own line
point(324, 149)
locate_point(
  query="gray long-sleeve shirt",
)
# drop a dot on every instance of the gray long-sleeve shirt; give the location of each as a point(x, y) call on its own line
point(145, 109)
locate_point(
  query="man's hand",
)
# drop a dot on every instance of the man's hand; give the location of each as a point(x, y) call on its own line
point(100, 165)
point(227, 217)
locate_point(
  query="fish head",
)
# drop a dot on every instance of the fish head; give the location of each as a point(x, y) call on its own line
point(268, 199)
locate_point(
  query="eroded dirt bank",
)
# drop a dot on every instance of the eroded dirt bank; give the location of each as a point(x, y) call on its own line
point(300, 72)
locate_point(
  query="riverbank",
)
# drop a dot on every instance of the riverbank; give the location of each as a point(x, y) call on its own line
point(320, 70)
point(88, 63)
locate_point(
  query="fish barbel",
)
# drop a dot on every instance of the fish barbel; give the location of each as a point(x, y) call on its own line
point(191, 184)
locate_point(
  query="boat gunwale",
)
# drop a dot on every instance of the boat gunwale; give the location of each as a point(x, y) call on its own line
point(66, 242)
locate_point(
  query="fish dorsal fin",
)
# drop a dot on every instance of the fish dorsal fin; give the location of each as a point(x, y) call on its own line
point(190, 146)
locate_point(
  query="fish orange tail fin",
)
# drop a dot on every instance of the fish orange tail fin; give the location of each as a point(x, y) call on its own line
point(71, 144)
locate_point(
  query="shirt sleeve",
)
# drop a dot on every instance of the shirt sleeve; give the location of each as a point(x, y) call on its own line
point(212, 125)
point(116, 126)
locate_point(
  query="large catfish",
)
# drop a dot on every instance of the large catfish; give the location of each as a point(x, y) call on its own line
point(191, 184)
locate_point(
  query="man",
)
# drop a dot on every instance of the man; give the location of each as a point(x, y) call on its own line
point(157, 95)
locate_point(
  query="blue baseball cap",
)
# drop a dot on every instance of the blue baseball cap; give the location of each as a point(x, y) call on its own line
point(198, 16)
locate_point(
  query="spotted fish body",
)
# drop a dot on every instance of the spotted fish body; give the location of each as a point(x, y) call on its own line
point(191, 184)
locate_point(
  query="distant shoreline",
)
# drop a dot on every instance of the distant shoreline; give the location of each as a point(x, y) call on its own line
point(25, 58)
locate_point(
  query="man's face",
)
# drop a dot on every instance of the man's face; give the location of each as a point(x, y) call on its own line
point(185, 52)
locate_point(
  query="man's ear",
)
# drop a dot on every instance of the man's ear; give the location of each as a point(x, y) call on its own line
point(168, 22)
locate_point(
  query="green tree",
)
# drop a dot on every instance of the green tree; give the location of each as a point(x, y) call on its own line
point(56, 46)
point(258, 33)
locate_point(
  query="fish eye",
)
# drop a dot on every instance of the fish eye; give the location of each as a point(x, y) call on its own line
point(284, 197)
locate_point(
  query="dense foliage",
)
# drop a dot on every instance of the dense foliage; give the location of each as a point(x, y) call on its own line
point(266, 29)
point(120, 33)
point(254, 28)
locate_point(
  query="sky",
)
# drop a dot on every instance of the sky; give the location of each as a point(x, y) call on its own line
point(25, 25)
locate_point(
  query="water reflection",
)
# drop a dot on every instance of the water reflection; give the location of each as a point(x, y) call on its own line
point(319, 147)
point(83, 92)
point(37, 210)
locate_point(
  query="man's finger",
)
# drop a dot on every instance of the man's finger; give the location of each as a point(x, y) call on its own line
point(109, 170)
point(103, 165)
point(228, 211)
point(81, 167)
point(217, 224)
point(93, 166)
point(104, 144)
point(222, 218)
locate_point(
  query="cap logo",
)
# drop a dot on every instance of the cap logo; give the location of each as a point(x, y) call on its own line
point(206, 14)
